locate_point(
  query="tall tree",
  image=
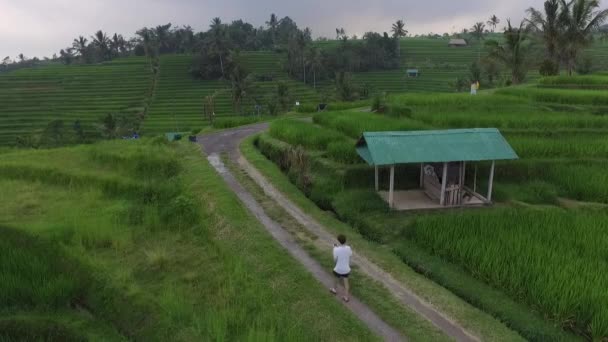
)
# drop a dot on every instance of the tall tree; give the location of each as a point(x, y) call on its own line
point(582, 19)
point(494, 21)
point(399, 31)
point(513, 52)
point(549, 26)
point(101, 41)
point(218, 41)
point(80, 45)
point(478, 32)
point(273, 24)
point(314, 61)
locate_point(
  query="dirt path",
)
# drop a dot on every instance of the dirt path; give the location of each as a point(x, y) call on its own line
point(227, 142)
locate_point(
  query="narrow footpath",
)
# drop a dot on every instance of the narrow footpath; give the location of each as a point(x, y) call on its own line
point(228, 142)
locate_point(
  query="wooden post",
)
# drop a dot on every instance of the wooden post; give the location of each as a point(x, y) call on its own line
point(377, 182)
point(392, 187)
point(422, 176)
point(475, 180)
point(444, 182)
point(491, 183)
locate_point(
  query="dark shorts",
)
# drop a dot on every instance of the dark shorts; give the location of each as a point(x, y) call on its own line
point(341, 275)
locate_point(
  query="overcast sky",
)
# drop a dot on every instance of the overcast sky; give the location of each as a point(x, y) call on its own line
point(42, 27)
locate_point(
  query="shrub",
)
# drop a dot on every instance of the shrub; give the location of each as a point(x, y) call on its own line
point(343, 152)
point(548, 68)
point(584, 65)
point(230, 122)
point(304, 134)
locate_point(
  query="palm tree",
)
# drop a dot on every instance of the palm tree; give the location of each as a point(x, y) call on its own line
point(513, 53)
point(340, 33)
point(218, 34)
point(314, 61)
point(494, 21)
point(21, 58)
point(272, 24)
point(478, 31)
point(163, 36)
point(301, 43)
point(548, 25)
point(118, 44)
point(80, 45)
point(399, 31)
point(101, 41)
point(581, 19)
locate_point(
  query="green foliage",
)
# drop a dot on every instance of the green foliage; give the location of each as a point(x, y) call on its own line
point(584, 65)
point(548, 68)
point(508, 255)
point(223, 123)
point(563, 96)
point(343, 152)
point(599, 81)
point(304, 134)
point(353, 124)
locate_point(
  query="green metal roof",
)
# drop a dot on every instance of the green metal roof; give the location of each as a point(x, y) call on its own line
point(391, 148)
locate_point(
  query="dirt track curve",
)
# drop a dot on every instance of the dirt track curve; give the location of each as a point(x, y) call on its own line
point(228, 142)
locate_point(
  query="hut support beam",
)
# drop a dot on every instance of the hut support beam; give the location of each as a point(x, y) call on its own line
point(376, 179)
point(444, 182)
point(392, 187)
point(422, 176)
point(491, 182)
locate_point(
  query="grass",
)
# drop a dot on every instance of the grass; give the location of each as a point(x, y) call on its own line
point(353, 124)
point(31, 98)
point(561, 96)
point(366, 289)
point(300, 133)
point(469, 317)
point(490, 245)
point(180, 263)
point(177, 104)
point(561, 143)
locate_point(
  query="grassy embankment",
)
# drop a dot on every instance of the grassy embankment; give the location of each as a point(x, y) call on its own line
point(143, 240)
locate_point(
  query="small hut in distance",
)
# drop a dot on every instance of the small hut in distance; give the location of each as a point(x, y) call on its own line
point(412, 73)
point(443, 157)
point(457, 42)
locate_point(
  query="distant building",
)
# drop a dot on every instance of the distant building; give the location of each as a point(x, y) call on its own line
point(457, 42)
point(413, 73)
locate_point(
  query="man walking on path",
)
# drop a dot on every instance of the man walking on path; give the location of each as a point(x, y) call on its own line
point(342, 254)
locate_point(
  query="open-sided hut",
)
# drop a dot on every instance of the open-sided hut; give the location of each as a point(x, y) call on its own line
point(443, 157)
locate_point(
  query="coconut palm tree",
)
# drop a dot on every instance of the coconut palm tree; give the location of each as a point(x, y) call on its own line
point(314, 61)
point(80, 45)
point(581, 19)
point(478, 32)
point(218, 41)
point(101, 41)
point(513, 53)
point(494, 21)
point(273, 24)
point(399, 31)
point(549, 27)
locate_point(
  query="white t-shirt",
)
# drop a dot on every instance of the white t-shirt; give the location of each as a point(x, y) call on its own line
point(342, 256)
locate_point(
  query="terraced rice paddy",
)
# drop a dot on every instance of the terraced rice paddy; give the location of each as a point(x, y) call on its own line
point(31, 98)
point(543, 248)
point(178, 100)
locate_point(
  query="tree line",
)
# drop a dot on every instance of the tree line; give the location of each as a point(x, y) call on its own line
point(552, 38)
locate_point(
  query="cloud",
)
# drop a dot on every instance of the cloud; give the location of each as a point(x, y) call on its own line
point(42, 27)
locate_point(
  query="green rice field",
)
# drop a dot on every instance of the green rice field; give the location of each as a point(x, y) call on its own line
point(540, 252)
